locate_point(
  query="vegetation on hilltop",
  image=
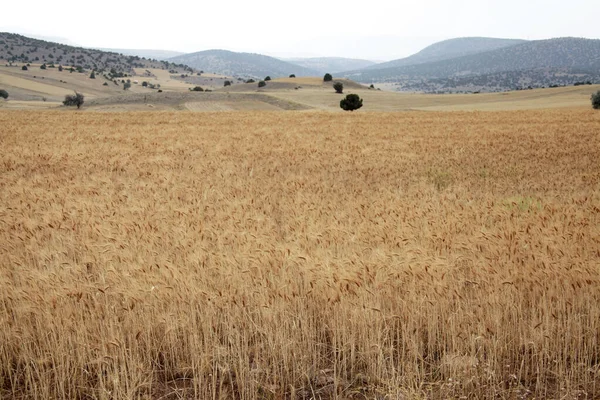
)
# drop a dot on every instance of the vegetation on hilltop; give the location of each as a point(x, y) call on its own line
point(16, 48)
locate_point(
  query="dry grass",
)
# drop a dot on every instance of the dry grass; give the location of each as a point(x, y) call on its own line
point(299, 255)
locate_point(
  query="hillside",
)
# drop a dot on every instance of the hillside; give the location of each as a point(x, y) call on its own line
point(20, 49)
point(242, 64)
point(330, 64)
point(449, 49)
point(574, 57)
point(146, 53)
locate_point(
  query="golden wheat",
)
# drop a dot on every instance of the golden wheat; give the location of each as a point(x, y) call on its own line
point(299, 255)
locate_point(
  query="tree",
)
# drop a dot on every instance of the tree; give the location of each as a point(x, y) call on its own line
point(351, 102)
point(24, 67)
point(292, 76)
point(43, 66)
point(74, 100)
point(268, 78)
point(250, 81)
point(262, 84)
point(60, 68)
point(145, 84)
point(3, 94)
point(126, 85)
point(226, 83)
point(596, 100)
point(327, 78)
point(372, 86)
point(93, 75)
point(339, 87)
point(197, 89)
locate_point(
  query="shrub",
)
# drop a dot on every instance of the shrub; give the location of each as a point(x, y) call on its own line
point(250, 81)
point(126, 85)
point(197, 89)
point(351, 102)
point(24, 67)
point(227, 83)
point(74, 100)
point(93, 75)
point(145, 84)
point(3, 94)
point(292, 76)
point(268, 78)
point(596, 100)
point(262, 84)
point(159, 90)
point(327, 78)
point(105, 84)
point(339, 87)
point(43, 66)
point(372, 86)
point(60, 68)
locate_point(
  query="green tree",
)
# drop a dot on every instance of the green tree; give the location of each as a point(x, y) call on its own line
point(268, 78)
point(327, 78)
point(126, 85)
point(339, 87)
point(43, 66)
point(250, 81)
point(93, 75)
point(3, 94)
point(351, 102)
point(226, 83)
point(60, 68)
point(262, 84)
point(74, 100)
point(596, 100)
point(24, 67)
point(197, 89)
point(292, 76)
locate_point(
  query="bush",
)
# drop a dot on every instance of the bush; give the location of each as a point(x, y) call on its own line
point(3, 94)
point(93, 75)
point(250, 81)
point(227, 83)
point(596, 100)
point(24, 67)
point(159, 90)
point(372, 86)
point(74, 100)
point(351, 102)
point(327, 78)
point(339, 87)
point(60, 68)
point(105, 84)
point(145, 84)
point(197, 89)
point(268, 78)
point(43, 66)
point(292, 76)
point(126, 85)
point(262, 84)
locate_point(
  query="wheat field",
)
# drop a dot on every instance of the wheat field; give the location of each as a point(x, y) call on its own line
point(300, 255)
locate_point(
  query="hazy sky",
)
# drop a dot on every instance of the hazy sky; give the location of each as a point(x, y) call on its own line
point(374, 29)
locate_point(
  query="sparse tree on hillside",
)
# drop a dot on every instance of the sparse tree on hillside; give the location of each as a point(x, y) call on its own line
point(197, 89)
point(372, 86)
point(339, 87)
point(93, 75)
point(596, 100)
point(226, 83)
point(24, 67)
point(262, 84)
point(292, 76)
point(327, 78)
point(43, 66)
point(268, 78)
point(74, 100)
point(351, 102)
point(250, 81)
point(3, 94)
point(126, 85)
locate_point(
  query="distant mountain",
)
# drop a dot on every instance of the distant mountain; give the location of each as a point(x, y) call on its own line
point(242, 64)
point(330, 64)
point(149, 54)
point(574, 57)
point(449, 49)
point(16, 48)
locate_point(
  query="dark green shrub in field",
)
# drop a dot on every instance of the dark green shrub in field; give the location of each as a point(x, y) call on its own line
point(197, 89)
point(292, 76)
point(339, 87)
point(226, 83)
point(24, 67)
point(3, 94)
point(327, 78)
point(93, 75)
point(268, 78)
point(250, 81)
point(596, 100)
point(351, 102)
point(74, 100)
point(262, 84)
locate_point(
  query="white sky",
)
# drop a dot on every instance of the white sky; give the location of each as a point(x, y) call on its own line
point(373, 29)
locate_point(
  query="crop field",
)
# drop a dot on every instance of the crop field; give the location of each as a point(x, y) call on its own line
point(300, 255)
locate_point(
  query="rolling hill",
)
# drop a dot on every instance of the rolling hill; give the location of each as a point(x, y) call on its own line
point(330, 64)
point(16, 48)
point(573, 59)
point(242, 64)
point(449, 49)
point(146, 53)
